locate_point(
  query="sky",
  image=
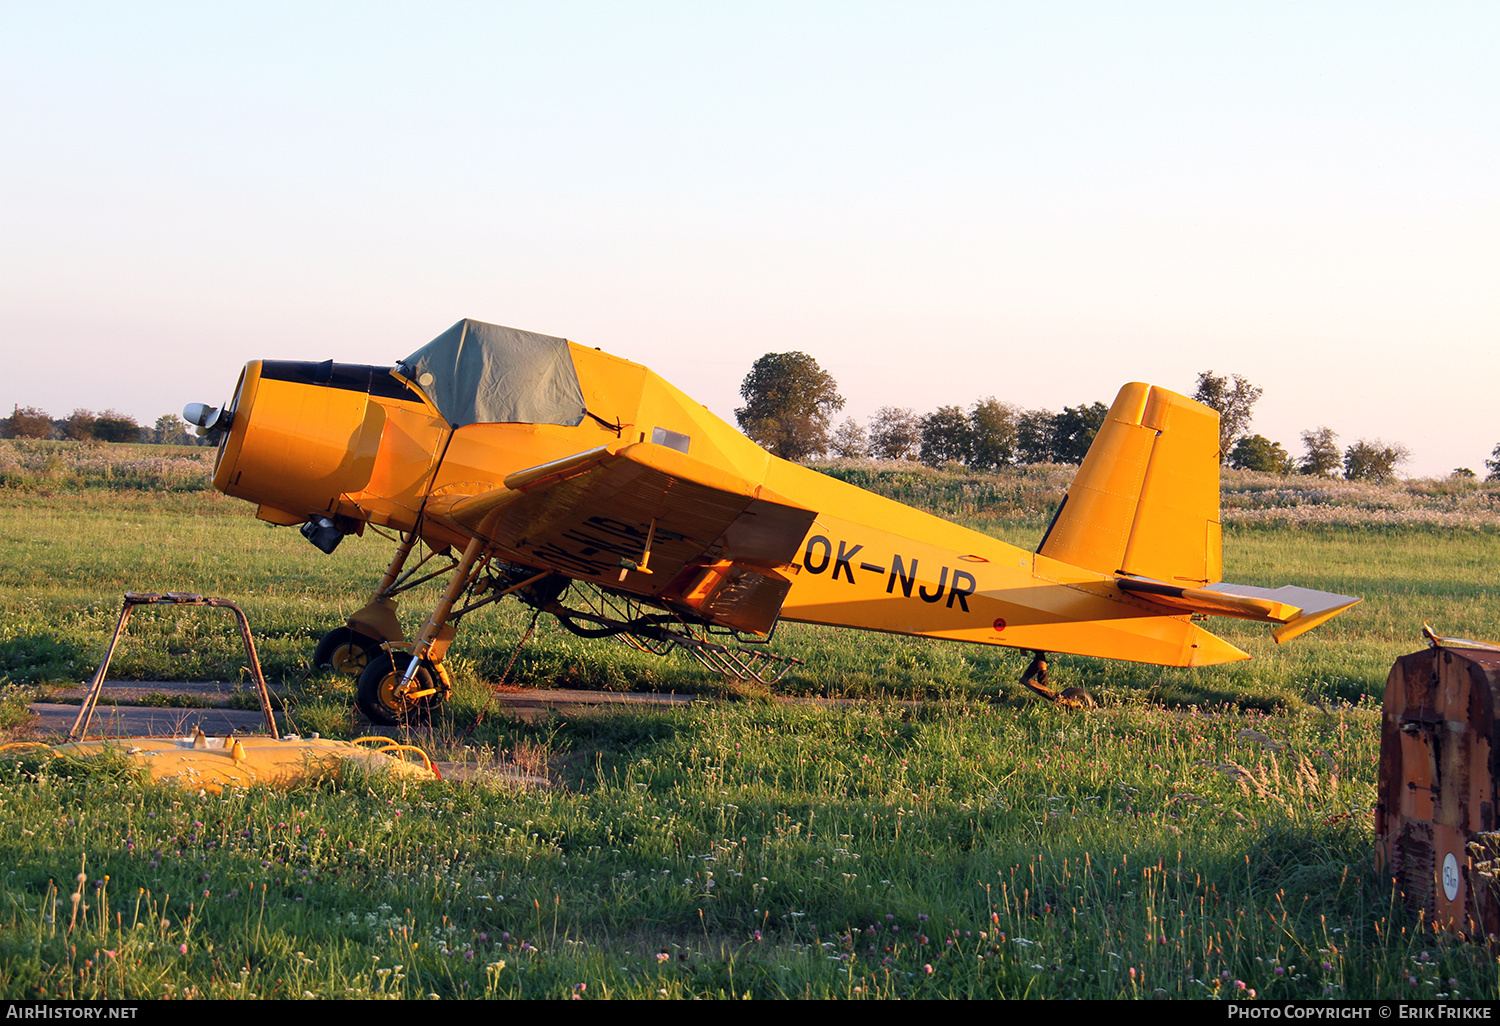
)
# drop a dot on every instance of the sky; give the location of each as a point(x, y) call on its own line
point(939, 202)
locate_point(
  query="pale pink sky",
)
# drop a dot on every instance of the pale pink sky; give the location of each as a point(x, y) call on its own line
point(939, 201)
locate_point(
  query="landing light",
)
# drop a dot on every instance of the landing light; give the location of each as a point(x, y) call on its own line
point(323, 533)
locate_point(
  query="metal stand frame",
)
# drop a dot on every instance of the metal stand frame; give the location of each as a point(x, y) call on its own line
point(171, 598)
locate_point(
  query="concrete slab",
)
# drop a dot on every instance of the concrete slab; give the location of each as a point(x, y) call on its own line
point(215, 718)
point(208, 692)
point(147, 721)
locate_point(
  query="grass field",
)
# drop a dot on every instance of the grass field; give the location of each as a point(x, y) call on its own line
point(1203, 834)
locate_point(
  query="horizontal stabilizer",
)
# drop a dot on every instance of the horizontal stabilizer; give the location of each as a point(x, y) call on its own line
point(1298, 610)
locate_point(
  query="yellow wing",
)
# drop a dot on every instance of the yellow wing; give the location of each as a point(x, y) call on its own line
point(648, 520)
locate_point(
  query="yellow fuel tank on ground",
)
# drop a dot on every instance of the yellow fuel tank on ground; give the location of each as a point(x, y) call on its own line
point(214, 763)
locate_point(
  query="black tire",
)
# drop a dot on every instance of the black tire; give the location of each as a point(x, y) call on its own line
point(345, 650)
point(378, 691)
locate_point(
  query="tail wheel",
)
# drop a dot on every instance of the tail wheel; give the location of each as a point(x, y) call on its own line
point(382, 698)
point(346, 651)
point(1076, 698)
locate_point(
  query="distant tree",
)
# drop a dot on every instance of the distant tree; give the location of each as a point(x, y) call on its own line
point(992, 434)
point(1035, 431)
point(170, 430)
point(79, 426)
point(114, 426)
point(1235, 399)
point(28, 422)
point(1322, 457)
point(1257, 452)
point(849, 440)
point(1373, 461)
point(895, 433)
point(1493, 465)
point(1074, 431)
point(789, 400)
point(1463, 473)
point(945, 436)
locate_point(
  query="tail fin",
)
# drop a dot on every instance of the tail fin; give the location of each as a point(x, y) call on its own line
point(1146, 500)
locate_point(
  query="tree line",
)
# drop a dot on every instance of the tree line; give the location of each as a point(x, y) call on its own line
point(87, 426)
point(987, 435)
point(789, 407)
point(790, 402)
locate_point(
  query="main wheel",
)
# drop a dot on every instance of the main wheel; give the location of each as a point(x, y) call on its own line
point(381, 697)
point(345, 650)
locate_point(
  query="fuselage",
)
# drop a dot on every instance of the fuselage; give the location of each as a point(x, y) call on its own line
point(362, 445)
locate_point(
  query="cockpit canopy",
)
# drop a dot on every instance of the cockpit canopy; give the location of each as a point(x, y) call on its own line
point(478, 373)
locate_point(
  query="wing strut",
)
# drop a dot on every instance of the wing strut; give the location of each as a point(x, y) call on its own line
point(644, 566)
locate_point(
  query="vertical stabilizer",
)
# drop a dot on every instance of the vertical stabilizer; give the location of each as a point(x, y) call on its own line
point(1146, 500)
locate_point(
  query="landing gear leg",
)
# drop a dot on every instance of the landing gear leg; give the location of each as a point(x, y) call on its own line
point(432, 627)
point(398, 561)
point(400, 685)
point(1035, 678)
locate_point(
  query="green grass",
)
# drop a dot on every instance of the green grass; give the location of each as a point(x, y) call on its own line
point(1204, 829)
point(764, 850)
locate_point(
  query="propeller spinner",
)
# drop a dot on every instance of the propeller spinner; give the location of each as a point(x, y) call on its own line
point(210, 420)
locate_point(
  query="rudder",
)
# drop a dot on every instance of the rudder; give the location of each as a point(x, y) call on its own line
point(1145, 501)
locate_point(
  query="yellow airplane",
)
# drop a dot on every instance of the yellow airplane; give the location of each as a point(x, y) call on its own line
point(589, 488)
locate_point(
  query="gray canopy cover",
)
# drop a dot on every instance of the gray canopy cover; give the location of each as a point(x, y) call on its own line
point(486, 374)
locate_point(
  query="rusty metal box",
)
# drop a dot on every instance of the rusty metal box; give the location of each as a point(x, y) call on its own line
point(1438, 774)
